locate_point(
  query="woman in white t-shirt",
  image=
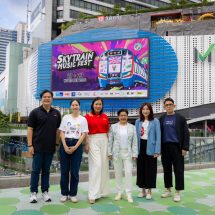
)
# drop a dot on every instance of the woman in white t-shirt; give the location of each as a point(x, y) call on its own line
point(73, 129)
point(122, 148)
point(149, 141)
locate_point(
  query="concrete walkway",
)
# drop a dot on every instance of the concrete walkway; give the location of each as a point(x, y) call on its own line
point(198, 198)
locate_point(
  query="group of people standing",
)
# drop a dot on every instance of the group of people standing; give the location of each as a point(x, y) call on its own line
point(121, 142)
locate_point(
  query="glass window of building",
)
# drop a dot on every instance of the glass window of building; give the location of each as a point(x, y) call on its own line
point(60, 2)
point(59, 14)
point(88, 6)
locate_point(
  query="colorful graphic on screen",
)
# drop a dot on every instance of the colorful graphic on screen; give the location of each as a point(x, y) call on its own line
point(116, 68)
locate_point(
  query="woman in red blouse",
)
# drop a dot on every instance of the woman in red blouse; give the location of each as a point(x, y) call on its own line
point(96, 145)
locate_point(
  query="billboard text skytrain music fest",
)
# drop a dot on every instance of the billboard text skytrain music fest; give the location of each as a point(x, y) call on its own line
point(115, 68)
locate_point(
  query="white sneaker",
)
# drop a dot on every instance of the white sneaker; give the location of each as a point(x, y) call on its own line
point(166, 194)
point(73, 199)
point(63, 198)
point(33, 197)
point(148, 196)
point(129, 198)
point(46, 197)
point(177, 197)
point(118, 197)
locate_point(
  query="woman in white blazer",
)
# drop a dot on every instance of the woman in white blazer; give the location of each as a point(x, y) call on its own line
point(123, 149)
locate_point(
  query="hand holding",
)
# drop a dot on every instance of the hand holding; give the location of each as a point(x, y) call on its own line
point(110, 157)
point(67, 149)
point(72, 149)
point(86, 148)
point(31, 150)
point(156, 155)
point(183, 152)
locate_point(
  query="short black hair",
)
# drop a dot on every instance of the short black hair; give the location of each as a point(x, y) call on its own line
point(76, 101)
point(94, 100)
point(169, 99)
point(122, 110)
point(46, 91)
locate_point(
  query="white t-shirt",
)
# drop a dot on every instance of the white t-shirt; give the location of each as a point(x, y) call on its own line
point(123, 130)
point(73, 126)
point(144, 130)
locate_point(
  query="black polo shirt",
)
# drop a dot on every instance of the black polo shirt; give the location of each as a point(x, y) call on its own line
point(45, 125)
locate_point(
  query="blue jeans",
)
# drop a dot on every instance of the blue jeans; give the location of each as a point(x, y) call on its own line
point(70, 164)
point(41, 163)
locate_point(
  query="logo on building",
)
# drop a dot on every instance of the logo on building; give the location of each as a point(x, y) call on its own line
point(109, 18)
point(202, 57)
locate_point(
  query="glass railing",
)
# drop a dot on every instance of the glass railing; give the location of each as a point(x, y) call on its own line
point(202, 149)
point(15, 159)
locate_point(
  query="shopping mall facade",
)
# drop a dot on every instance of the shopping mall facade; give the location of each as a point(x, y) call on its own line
point(179, 62)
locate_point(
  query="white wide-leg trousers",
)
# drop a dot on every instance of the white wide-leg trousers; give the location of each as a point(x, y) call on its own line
point(98, 166)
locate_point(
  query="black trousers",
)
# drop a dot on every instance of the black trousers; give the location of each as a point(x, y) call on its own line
point(146, 168)
point(172, 156)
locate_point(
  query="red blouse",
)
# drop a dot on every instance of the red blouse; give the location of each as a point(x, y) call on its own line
point(97, 124)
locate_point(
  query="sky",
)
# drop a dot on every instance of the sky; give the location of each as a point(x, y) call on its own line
point(12, 12)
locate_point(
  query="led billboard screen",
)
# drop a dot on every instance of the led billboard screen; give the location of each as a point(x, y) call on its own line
point(114, 68)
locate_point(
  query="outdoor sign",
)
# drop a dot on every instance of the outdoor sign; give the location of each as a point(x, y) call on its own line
point(114, 68)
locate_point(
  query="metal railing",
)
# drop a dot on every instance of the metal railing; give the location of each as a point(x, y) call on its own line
point(202, 149)
point(15, 159)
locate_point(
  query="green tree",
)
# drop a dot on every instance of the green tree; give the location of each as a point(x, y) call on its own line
point(15, 117)
point(204, 2)
point(174, 3)
point(82, 16)
point(104, 12)
point(4, 120)
point(182, 3)
point(116, 10)
point(128, 8)
point(65, 25)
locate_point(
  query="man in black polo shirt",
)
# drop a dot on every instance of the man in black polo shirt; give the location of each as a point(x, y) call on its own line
point(174, 146)
point(43, 135)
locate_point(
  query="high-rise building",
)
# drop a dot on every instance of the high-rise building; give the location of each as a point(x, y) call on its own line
point(19, 35)
point(14, 57)
point(23, 35)
point(5, 37)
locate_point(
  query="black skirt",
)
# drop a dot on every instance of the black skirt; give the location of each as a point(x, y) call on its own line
point(146, 168)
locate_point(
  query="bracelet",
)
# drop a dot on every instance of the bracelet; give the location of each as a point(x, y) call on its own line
point(30, 145)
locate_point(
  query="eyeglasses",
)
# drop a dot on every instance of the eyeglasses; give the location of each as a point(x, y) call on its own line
point(166, 105)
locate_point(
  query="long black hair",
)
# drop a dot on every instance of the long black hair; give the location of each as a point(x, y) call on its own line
point(94, 100)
